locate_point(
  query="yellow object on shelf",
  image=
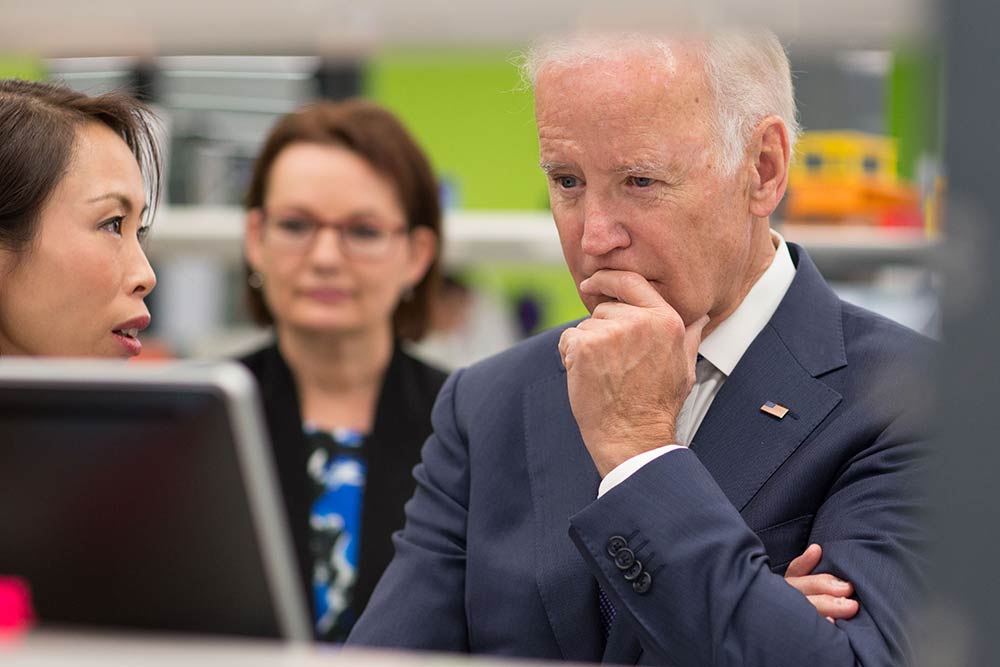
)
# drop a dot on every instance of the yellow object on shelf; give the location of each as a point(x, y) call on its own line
point(849, 176)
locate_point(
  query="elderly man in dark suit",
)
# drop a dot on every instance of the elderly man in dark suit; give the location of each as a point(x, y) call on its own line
point(720, 410)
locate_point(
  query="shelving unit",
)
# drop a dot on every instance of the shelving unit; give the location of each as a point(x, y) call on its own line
point(529, 237)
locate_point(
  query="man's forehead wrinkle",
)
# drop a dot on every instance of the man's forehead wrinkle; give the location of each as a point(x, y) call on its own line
point(618, 101)
point(632, 145)
point(632, 119)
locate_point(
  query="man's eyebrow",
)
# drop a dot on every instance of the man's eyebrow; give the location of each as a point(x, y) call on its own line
point(642, 167)
point(632, 168)
point(548, 166)
point(120, 198)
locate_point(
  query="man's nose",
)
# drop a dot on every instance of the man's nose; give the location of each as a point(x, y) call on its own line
point(603, 228)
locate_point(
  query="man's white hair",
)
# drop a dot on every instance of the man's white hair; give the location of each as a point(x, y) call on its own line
point(747, 73)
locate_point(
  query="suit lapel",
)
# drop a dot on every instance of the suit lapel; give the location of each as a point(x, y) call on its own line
point(740, 445)
point(563, 481)
point(402, 423)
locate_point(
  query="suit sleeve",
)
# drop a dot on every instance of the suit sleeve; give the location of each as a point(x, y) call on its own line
point(428, 570)
point(712, 598)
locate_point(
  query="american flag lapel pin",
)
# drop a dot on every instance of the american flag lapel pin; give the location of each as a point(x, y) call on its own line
point(774, 409)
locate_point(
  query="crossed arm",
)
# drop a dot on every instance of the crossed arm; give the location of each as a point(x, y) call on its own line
point(714, 599)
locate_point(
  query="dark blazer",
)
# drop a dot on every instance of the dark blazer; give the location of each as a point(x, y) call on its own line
point(402, 423)
point(506, 541)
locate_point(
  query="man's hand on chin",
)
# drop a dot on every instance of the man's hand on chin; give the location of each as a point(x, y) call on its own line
point(629, 368)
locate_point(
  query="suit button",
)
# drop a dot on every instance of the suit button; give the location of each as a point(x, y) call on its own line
point(642, 584)
point(624, 559)
point(616, 544)
point(632, 573)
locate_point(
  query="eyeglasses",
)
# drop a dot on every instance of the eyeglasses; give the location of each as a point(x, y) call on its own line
point(360, 238)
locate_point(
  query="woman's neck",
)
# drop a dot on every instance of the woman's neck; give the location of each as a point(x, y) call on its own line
point(338, 377)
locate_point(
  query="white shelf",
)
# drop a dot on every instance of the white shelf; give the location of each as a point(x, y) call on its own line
point(530, 237)
point(470, 237)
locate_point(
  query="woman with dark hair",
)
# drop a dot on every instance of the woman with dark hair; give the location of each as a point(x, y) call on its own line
point(342, 236)
point(73, 213)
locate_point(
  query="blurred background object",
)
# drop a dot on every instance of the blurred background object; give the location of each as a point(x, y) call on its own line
point(960, 626)
point(843, 176)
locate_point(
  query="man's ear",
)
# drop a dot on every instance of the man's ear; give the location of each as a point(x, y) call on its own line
point(252, 239)
point(771, 156)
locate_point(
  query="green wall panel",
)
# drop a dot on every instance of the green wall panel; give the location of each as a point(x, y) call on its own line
point(474, 119)
point(21, 67)
point(913, 89)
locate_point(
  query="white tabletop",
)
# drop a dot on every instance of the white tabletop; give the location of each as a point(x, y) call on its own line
point(58, 649)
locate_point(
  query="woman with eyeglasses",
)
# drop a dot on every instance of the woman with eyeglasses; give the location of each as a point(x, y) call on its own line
point(79, 178)
point(342, 237)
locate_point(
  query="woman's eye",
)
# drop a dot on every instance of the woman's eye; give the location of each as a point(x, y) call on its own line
point(641, 181)
point(363, 232)
point(567, 182)
point(293, 226)
point(142, 233)
point(114, 224)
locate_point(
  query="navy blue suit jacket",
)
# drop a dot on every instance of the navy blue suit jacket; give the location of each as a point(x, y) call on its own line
point(484, 563)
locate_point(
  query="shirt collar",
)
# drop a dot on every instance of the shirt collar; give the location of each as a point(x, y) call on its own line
point(725, 346)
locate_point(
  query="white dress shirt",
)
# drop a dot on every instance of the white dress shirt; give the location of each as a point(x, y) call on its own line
point(721, 351)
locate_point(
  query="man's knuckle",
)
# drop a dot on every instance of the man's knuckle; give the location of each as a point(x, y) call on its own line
point(633, 281)
point(671, 323)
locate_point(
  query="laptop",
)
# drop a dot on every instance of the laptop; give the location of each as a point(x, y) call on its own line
point(143, 496)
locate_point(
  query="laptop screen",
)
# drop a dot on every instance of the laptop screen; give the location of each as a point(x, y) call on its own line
point(124, 504)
